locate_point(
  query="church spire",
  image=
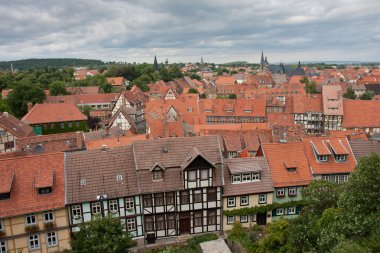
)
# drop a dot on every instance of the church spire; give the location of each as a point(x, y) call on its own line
point(155, 64)
point(299, 64)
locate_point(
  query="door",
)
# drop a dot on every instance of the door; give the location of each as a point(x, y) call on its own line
point(184, 223)
point(261, 219)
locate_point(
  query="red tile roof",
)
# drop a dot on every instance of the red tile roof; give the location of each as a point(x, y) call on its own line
point(225, 80)
point(113, 141)
point(116, 81)
point(24, 195)
point(320, 147)
point(279, 156)
point(307, 103)
point(332, 100)
point(84, 98)
point(361, 113)
point(51, 113)
point(331, 166)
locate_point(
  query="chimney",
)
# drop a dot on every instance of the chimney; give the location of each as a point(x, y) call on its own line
point(79, 139)
point(5, 114)
point(103, 148)
point(30, 106)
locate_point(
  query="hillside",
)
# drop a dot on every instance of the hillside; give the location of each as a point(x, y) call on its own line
point(52, 62)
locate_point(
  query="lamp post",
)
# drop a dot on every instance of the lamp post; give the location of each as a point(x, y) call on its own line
point(101, 198)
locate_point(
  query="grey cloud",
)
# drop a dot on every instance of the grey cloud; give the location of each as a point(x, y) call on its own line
point(184, 30)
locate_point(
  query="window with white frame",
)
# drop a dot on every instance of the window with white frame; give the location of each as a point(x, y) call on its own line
point(3, 247)
point(323, 158)
point(236, 178)
point(253, 217)
point(34, 242)
point(345, 178)
point(280, 211)
point(76, 211)
point(246, 177)
point(31, 219)
point(326, 178)
point(262, 198)
point(255, 176)
point(231, 201)
point(129, 203)
point(131, 224)
point(113, 206)
point(51, 238)
point(230, 219)
point(244, 200)
point(340, 158)
point(292, 191)
point(292, 210)
point(96, 208)
point(336, 179)
point(48, 216)
point(280, 192)
point(244, 218)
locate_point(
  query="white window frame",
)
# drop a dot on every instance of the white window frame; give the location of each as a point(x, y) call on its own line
point(344, 178)
point(231, 201)
point(113, 205)
point(131, 224)
point(53, 237)
point(243, 218)
point(336, 179)
point(34, 242)
point(263, 198)
point(129, 203)
point(255, 177)
point(280, 192)
point(244, 200)
point(96, 208)
point(246, 177)
point(76, 211)
point(292, 191)
point(236, 179)
point(326, 177)
point(31, 219)
point(49, 216)
point(279, 211)
point(3, 246)
point(230, 219)
point(323, 158)
point(340, 158)
point(253, 217)
point(292, 210)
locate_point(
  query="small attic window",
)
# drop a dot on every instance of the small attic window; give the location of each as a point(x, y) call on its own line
point(119, 178)
point(190, 109)
point(291, 166)
point(83, 182)
point(45, 190)
point(5, 196)
point(157, 174)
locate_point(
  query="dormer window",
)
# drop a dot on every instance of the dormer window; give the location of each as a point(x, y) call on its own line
point(245, 177)
point(157, 175)
point(339, 150)
point(340, 158)
point(45, 190)
point(321, 150)
point(323, 158)
point(291, 166)
point(5, 190)
point(157, 171)
point(189, 109)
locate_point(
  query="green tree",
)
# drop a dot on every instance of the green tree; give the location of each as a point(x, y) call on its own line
point(3, 106)
point(350, 93)
point(106, 87)
point(102, 235)
point(193, 91)
point(57, 88)
point(276, 236)
point(142, 82)
point(195, 76)
point(232, 96)
point(349, 247)
point(23, 93)
point(368, 95)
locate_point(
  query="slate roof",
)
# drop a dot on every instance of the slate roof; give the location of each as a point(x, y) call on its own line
point(99, 170)
point(171, 154)
point(52, 113)
point(29, 172)
point(15, 126)
point(363, 148)
point(244, 165)
point(281, 154)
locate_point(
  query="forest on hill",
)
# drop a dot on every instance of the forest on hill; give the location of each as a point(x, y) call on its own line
point(51, 63)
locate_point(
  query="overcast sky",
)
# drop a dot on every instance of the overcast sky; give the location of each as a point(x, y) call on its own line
point(185, 30)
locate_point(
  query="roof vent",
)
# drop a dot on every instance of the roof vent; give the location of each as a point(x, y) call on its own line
point(104, 147)
point(165, 150)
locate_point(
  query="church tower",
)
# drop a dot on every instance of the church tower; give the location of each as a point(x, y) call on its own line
point(155, 64)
